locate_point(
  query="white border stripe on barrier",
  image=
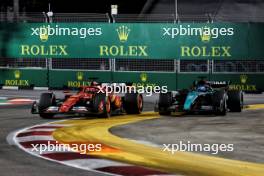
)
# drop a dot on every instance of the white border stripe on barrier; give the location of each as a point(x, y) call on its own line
point(40, 88)
point(10, 87)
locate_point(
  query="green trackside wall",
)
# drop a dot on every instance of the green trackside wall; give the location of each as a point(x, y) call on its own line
point(74, 79)
point(51, 78)
point(241, 41)
point(23, 78)
point(60, 79)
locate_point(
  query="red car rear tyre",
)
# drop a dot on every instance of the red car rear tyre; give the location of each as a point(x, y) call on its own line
point(102, 105)
point(133, 103)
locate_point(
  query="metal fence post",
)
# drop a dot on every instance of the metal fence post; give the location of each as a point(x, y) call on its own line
point(49, 17)
point(114, 11)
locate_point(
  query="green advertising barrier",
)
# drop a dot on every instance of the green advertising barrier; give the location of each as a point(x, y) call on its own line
point(55, 78)
point(23, 78)
point(75, 79)
point(132, 40)
point(224, 41)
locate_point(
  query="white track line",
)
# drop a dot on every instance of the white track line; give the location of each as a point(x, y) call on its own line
point(40, 129)
point(34, 138)
point(95, 163)
point(12, 140)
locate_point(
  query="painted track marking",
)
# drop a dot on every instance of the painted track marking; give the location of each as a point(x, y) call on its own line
point(41, 134)
point(255, 106)
point(87, 130)
point(97, 130)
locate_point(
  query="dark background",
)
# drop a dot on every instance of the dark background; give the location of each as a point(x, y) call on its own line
point(74, 6)
point(227, 10)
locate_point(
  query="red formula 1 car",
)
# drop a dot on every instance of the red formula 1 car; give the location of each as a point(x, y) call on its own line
point(89, 100)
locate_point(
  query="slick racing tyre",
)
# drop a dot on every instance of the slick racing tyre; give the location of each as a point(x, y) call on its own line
point(46, 100)
point(102, 105)
point(219, 102)
point(165, 101)
point(235, 100)
point(133, 103)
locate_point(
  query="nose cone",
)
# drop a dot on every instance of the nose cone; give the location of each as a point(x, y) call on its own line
point(64, 108)
point(68, 104)
point(191, 97)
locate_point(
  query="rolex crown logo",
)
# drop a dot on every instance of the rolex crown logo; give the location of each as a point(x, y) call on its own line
point(17, 74)
point(205, 36)
point(43, 33)
point(79, 76)
point(143, 77)
point(123, 32)
point(243, 79)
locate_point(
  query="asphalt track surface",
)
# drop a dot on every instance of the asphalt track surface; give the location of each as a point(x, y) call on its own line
point(243, 130)
point(13, 161)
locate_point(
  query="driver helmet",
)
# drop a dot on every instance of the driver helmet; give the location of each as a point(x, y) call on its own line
point(201, 88)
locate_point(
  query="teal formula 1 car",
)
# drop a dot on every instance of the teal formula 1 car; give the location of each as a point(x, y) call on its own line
point(204, 96)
